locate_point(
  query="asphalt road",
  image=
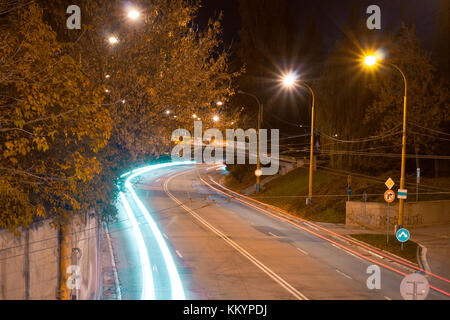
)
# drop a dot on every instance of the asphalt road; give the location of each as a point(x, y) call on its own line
point(222, 248)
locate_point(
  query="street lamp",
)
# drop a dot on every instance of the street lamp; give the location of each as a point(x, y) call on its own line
point(371, 61)
point(219, 103)
point(260, 119)
point(133, 14)
point(216, 119)
point(113, 40)
point(289, 81)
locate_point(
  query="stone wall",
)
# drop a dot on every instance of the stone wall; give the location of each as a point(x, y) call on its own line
point(417, 214)
point(29, 264)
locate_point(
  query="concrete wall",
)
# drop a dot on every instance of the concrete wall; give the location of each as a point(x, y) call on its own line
point(417, 214)
point(29, 264)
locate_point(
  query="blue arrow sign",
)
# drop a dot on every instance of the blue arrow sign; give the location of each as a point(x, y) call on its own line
point(403, 235)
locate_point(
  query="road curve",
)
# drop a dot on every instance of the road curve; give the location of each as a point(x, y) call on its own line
point(177, 226)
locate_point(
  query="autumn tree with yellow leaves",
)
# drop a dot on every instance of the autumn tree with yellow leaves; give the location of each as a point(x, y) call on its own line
point(76, 111)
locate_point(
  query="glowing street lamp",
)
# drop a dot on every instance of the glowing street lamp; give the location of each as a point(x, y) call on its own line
point(219, 103)
point(133, 14)
point(168, 112)
point(289, 81)
point(216, 118)
point(113, 40)
point(194, 116)
point(371, 61)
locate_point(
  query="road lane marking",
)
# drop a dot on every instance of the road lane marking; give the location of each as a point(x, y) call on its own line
point(343, 274)
point(302, 251)
point(274, 235)
point(374, 254)
point(165, 236)
point(179, 254)
point(312, 227)
point(297, 294)
point(238, 198)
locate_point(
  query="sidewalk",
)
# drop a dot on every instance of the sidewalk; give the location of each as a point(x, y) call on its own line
point(436, 240)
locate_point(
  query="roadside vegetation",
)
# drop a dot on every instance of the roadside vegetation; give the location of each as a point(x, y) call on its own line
point(409, 251)
point(289, 192)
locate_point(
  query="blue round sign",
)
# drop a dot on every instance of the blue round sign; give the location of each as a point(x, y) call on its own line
point(403, 235)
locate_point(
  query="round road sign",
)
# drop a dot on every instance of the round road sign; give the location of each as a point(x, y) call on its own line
point(415, 287)
point(389, 196)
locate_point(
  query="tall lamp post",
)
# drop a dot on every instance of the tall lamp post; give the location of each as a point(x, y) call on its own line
point(258, 171)
point(289, 81)
point(372, 61)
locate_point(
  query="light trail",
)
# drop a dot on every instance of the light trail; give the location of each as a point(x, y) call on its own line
point(148, 290)
point(175, 280)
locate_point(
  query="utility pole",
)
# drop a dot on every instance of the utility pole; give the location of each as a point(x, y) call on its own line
point(65, 256)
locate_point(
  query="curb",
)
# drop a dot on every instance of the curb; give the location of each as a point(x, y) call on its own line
point(422, 258)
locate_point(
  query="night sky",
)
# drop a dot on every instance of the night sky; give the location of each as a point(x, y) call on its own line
point(423, 13)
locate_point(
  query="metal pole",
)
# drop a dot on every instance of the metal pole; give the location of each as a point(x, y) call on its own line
point(402, 178)
point(260, 118)
point(387, 231)
point(311, 156)
point(258, 161)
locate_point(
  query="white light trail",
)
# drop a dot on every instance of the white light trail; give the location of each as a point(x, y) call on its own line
point(175, 281)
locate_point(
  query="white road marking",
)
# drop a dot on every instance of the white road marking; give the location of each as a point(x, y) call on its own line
point(274, 235)
point(303, 251)
point(297, 294)
point(374, 254)
point(179, 254)
point(165, 236)
point(343, 274)
point(312, 227)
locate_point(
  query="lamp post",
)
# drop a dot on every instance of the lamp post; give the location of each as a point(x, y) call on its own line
point(258, 171)
point(289, 81)
point(372, 61)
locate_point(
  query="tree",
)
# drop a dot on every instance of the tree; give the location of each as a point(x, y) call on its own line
point(52, 123)
point(67, 130)
point(428, 98)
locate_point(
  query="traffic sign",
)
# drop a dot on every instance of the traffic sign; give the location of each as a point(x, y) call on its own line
point(402, 194)
point(403, 235)
point(390, 183)
point(389, 196)
point(349, 190)
point(414, 287)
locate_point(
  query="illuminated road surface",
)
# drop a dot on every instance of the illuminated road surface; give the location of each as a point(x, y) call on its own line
point(179, 238)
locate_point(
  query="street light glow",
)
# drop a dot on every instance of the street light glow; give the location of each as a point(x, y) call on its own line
point(289, 80)
point(370, 61)
point(216, 118)
point(219, 103)
point(113, 40)
point(133, 14)
point(168, 112)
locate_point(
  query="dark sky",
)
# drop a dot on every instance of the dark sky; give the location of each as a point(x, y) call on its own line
point(423, 13)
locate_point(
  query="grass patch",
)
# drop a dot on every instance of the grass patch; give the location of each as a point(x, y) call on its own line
point(289, 192)
point(409, 251)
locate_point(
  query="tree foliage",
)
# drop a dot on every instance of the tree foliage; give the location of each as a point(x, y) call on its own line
point(67, 131)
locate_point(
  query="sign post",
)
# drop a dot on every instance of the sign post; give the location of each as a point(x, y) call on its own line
point(349, 188)
point(417, 185)
point(389, 197)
